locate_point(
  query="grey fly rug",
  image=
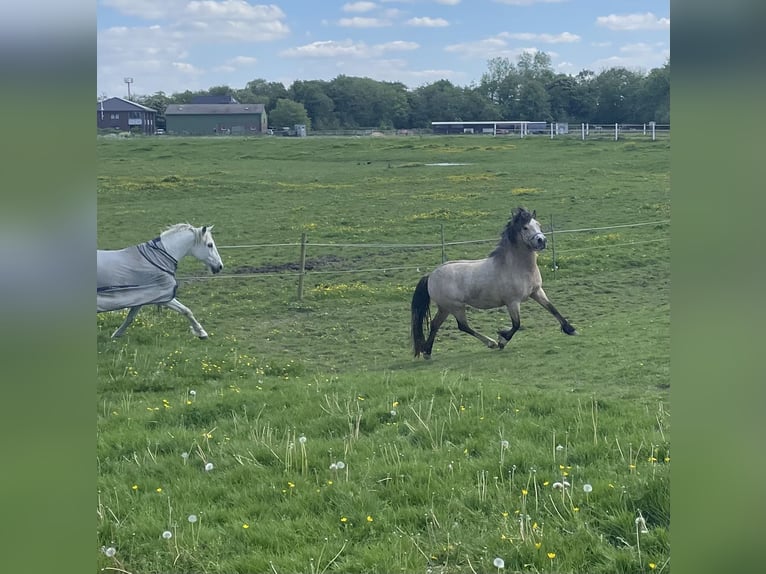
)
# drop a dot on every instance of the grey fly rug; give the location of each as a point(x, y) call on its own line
point(138, 275)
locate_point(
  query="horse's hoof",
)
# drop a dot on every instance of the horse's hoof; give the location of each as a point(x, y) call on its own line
point(492, 345)
point(427, 357)
point(569, 330)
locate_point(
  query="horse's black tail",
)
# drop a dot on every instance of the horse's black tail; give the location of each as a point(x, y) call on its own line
point(421, 315)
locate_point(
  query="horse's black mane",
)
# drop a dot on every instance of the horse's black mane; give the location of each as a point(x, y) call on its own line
point(519, 218)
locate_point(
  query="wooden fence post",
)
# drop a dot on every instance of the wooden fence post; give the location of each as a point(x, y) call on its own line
point(303, 266)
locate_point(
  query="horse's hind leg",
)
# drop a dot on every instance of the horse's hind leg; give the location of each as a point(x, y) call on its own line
point(542, 298)
point(126, 323)
point(436, 322)
point(196, 328)
point(462, 324)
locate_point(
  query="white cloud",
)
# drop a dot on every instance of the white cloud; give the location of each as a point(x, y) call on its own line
point(492, 47)
point(243, 61)
point(335, 49)
point(528, 2)
point(639, 56)
point(564, 37)
point(359, 22)
point(233, 20)
point(647, 21)
point(359, 6)
point(427, 22)
point(186, 68)
point(146, 9)
point(448, 2)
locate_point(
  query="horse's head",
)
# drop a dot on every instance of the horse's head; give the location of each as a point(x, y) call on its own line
point(524, 226)
point(205, 250)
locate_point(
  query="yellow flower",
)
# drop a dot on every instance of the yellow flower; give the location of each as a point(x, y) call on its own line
point(369, 518)
point(343, 519)
point(159, 489)
point(538, 544)
point(551, 555)
point(290, 484)
point(329, 482)
point(505, 515)
point(546, 483)
point(652, 566)
point(575, 509)
point(524, 492)
point(395, 404)
point(245, 526)
point(134, 487)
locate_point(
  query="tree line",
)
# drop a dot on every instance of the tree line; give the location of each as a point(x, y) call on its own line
point(527, 89)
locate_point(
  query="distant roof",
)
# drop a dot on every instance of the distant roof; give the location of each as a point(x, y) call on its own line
point(213, 100)
point(218, 109)
point(488, 122)
point(121, 105)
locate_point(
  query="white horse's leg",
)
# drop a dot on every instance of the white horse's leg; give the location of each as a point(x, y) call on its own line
point(126, 323)
point(196, 328)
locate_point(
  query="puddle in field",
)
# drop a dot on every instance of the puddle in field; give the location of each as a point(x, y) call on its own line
point(446, 164)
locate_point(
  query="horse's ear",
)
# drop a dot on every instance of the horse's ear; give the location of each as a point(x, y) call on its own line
point(204, 229)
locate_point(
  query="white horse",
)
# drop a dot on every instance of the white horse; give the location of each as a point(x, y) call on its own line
point(145, 274)
point(506, 278)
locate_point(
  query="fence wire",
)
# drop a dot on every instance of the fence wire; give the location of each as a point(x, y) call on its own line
point(411, 245)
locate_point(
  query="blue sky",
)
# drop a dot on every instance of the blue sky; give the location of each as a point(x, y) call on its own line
point(175, 45)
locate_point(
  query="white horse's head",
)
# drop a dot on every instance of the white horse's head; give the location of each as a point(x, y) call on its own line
point(205, 250)
point(528, 229)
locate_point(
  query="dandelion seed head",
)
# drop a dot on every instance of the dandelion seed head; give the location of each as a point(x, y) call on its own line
point(167, 535)
point(393, 413)
point(340, 464)
point(333, 466)
point(184, 455)
point(503, 444)
point(192, 518)
point(559, 447)
point(557, 485)
point(302, 439)
point(111, 551)
point(192, 393)
point(209, 467)
point(499, 562)
point(587, 487)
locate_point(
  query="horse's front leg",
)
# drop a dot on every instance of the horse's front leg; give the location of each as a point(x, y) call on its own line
point(126, 323)
point(196, 328)
point(504, 335)
point(540, 296)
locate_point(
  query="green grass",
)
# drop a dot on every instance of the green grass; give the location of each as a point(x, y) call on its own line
point(448, 463)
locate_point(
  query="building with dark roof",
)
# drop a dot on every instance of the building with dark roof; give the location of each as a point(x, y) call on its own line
point(126, 116)
point(215, 119)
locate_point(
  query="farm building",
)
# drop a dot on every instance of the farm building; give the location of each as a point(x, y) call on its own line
point(126, 116)
point(215, 119)
point(488, 127)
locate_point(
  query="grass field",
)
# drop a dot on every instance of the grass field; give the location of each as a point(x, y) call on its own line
point(332, 449)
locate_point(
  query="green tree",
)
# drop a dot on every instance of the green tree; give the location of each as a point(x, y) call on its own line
point(617, 96)
point(654, 96)
point(260, 91)
point(319, 106)
point(287, 113)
